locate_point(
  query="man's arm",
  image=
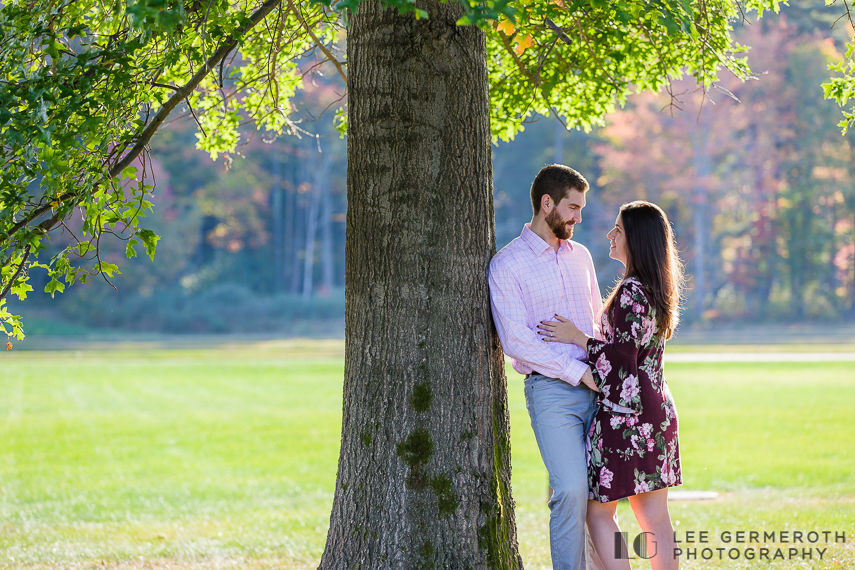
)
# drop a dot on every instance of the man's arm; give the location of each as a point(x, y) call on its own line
point(596, 299)
point(520, 342)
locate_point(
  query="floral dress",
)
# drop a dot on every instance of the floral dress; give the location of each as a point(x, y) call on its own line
point(632, 445)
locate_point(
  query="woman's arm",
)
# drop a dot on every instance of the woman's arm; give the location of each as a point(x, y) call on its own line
point(615, 364)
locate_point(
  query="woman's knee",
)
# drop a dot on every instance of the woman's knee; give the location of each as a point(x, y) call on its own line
point(601, 512)
point(651, 511)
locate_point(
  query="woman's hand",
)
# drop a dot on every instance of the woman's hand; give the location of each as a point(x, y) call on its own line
point(562, 330)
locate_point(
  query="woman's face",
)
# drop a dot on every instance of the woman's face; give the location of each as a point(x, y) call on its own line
point(617, 237)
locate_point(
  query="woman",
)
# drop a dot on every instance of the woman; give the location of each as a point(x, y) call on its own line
point(633, 447)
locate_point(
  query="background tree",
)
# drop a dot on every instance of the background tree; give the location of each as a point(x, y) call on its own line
point(84, 91)
point(756, 182)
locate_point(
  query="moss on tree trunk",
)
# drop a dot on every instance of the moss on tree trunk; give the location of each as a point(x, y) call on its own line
point(424, 473)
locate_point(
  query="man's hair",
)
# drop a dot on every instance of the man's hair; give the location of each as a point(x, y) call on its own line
point(556, 180)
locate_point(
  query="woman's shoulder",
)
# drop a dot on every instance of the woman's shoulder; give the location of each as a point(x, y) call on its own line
point(634, 286)
point(632, 294)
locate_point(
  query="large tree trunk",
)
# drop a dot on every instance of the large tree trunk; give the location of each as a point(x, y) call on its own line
point(424, 473)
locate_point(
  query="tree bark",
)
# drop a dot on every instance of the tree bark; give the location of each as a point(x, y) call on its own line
point(424, 478)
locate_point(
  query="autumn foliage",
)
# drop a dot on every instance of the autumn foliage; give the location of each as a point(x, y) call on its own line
point(755, 175)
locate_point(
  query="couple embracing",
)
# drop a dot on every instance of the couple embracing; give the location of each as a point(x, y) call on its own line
point(602, 413)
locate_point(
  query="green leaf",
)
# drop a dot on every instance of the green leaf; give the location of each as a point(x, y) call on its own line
point(150, 240)
point(53, 286)
point(129, 248)
point(21, 289)
point(107, 268)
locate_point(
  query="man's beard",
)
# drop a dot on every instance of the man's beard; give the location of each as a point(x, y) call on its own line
point(559, 227)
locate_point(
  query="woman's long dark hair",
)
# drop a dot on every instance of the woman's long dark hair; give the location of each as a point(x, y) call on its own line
point(651, 257)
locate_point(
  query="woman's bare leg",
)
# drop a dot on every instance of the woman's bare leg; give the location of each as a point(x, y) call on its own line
point(593, 556)
point(651, 511)
point(602, 526)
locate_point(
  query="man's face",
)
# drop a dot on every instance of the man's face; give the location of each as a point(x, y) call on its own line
point(564, 215)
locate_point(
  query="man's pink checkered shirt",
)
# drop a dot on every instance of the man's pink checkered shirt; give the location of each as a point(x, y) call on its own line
point(531, 282)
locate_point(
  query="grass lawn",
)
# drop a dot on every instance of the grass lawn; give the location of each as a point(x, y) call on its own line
point(226, 458)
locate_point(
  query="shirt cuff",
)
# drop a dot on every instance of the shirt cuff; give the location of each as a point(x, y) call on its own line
point(575, 371)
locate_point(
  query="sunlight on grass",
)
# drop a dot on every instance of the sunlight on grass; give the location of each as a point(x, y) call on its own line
point(776, 439)
point(226, 458)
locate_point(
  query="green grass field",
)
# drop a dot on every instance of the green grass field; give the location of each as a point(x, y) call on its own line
point(226, 458)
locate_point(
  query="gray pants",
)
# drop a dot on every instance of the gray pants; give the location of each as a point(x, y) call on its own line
point(560, 417)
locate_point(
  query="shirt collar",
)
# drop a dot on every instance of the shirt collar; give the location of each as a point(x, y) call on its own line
point(538, 245)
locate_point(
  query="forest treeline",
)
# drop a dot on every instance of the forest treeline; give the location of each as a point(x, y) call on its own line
point(756, 178)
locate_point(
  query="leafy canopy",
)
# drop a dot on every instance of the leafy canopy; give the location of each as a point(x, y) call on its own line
point(85, 85)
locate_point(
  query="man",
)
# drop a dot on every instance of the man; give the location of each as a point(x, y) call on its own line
point(537, 276)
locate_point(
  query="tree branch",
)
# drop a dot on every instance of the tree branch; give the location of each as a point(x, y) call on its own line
point(195, 118)
point(165, 86)
point(593, 53)
point(506, 42)
point(17, 273)
point(184, 91)
point(559, 31)
point(33, 215)
point(324, 49)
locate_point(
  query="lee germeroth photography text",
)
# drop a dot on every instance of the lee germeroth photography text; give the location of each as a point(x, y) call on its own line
point(760, 545)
